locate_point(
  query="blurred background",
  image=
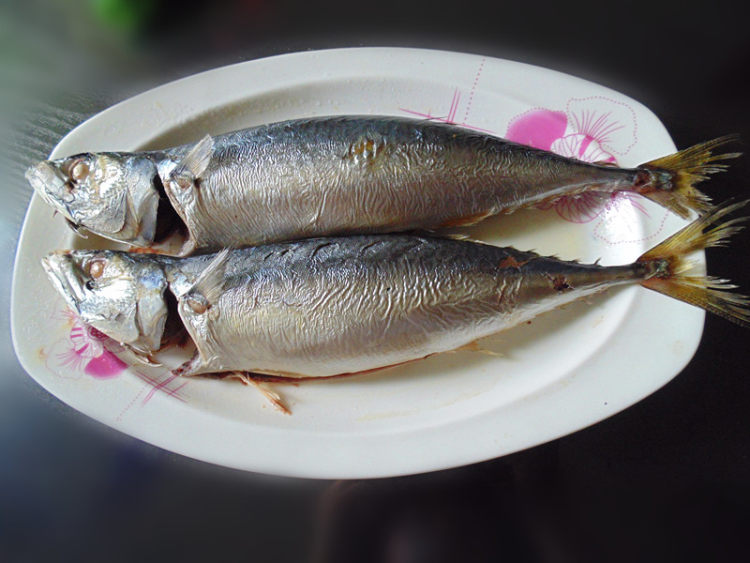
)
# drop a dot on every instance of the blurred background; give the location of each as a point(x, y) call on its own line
point(666, 480)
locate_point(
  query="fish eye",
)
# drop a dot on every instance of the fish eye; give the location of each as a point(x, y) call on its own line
point(96, 269)
point(77, 169)
point(90, 285)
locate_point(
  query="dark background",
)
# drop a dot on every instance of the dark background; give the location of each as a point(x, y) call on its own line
point(666, 480)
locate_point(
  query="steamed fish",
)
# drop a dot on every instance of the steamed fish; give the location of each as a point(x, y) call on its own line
point(324, 307)
point(337, 175)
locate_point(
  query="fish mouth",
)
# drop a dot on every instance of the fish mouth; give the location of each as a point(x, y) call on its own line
point(47, 180)
point(61, 272)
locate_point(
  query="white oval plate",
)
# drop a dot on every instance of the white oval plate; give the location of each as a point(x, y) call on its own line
point(566, 370)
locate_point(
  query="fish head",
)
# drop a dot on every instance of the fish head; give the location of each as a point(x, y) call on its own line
point(119, 294)
point(113, 195)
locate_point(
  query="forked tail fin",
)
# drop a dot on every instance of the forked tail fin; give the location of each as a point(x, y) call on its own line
point(668, 267)
point(677, 174)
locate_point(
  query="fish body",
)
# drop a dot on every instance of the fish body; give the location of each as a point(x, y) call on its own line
point(337, 305)
point(337, 175)
point(319, 177)
point(324, 307)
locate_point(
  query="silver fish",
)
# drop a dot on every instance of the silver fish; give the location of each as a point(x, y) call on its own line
point(337, 175)
point(331, 306)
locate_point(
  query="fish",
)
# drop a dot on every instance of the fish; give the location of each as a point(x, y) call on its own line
point(325, 307)
point(339, 175)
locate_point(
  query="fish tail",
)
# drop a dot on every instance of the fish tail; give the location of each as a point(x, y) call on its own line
point(670, 180)
point(668, 270)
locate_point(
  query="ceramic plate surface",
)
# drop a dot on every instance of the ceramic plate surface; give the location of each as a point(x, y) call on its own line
point(566, 370)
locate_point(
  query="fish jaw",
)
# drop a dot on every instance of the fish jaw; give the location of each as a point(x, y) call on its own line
point(62, 275)
point(50, 184)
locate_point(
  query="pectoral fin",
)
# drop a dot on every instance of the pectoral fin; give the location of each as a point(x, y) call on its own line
point(195, 309)
point(196, 161)
point(190, 169)
point(210, 284)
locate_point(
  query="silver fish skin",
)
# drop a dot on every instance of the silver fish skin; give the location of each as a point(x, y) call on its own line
point(318, 177)
point(337, 175)
point(334, 306)
point(323, 307)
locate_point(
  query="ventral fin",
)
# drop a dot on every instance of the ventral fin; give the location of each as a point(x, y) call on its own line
point(75, 228)
point(265, 389)
point(475, 347)
point(141, 356)
point(189, 367)
point(466, 220)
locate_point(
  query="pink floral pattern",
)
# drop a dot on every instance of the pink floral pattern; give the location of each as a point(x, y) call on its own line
point(594, 129)
point(86, 352)
point(451, 115)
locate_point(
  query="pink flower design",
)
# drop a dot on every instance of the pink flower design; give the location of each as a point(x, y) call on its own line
point(538, 128)
point(581, 146)
point(86, 350)
point(591, 129)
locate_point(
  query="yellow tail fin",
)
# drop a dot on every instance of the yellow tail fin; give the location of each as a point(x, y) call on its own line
point(675, 187)
point(668, 268)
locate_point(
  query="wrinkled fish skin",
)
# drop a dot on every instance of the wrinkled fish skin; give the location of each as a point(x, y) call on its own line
point(324, 176)
point(323, 307)
point(332, 306)
point(321, 176)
